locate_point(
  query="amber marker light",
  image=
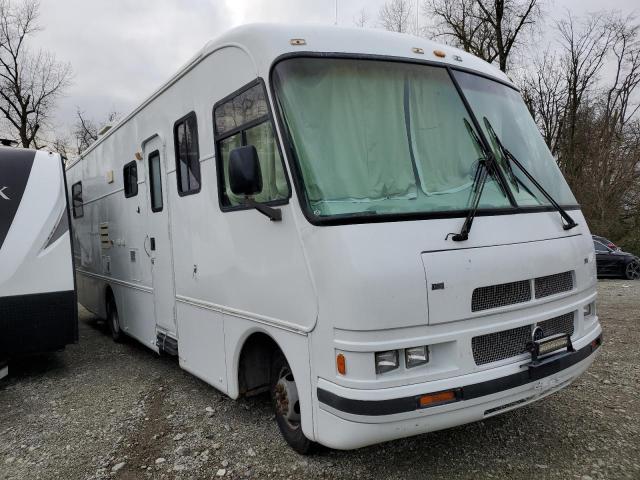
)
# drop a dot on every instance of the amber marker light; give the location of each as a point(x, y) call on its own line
point(432, 399)
point(341, 364)
point(439, 53)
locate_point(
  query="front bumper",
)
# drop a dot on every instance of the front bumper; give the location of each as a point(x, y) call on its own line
point(350, 418)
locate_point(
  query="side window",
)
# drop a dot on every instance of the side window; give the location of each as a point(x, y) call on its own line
point(185, 140)
point(130, 176)
point(600, 247)
point(244, 120)
point(76, 200)
point(155, 182)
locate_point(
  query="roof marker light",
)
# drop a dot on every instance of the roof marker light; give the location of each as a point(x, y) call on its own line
point(418, 50)
point(296, 42)
point(439, 53)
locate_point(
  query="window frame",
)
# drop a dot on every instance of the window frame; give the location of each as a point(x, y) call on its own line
point(74, 197)
point(125, 180)
point(155, 153)
point(181, 120)
point(219, 137)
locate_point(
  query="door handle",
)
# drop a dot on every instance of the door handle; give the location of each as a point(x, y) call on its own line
point(152, 243)
point(144, 245)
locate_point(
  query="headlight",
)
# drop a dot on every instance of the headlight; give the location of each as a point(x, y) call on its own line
point(386, 361)
point(416, 356)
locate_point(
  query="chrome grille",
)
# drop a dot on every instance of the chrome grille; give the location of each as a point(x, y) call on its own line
point(552, 284)
point(561, 324)
point(497, 346)
point(495, 296)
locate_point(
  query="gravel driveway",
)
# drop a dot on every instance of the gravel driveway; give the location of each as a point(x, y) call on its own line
point(103, 410)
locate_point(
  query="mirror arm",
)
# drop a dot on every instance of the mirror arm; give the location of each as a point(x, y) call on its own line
point(274, 214)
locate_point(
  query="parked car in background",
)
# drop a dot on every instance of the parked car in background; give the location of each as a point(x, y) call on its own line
point(606, 242)
point(615, 263)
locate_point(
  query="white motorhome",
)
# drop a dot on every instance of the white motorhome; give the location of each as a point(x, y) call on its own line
point(367, 224)
point(38, 308)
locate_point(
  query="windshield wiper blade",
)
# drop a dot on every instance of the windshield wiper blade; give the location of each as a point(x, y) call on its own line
point(570, 222)
point(479, 180)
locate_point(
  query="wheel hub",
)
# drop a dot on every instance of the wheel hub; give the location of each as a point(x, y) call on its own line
point(286, 398)
point(633, 270)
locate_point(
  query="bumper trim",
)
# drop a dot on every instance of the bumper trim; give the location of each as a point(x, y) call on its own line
point(467, 392)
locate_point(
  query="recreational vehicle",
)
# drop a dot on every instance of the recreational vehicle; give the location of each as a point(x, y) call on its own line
point(368, 225)
point(38, 307)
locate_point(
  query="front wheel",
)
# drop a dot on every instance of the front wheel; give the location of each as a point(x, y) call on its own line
point(632, 270)
point(284, 396)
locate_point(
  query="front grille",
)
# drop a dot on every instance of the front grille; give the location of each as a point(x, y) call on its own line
point(497, 346)
point(552, 284)
point(561, 324)
point(494, 296)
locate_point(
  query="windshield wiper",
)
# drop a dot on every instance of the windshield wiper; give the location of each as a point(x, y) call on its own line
point(570, 222)
point(486, 163)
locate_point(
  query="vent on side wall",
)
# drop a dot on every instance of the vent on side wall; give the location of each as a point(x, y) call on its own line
point(104, 236)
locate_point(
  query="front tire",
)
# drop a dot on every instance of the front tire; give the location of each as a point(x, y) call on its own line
point(632, 270)
point(113, 321)
point(286, 404)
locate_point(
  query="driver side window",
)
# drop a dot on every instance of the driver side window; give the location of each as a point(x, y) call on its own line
point(600, 248)
point(242, 120)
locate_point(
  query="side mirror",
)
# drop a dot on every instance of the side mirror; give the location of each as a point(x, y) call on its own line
point(245, 177)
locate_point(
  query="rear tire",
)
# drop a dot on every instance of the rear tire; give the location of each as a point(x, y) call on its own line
point(632, 270)
point(284, 398)
point(113, 321)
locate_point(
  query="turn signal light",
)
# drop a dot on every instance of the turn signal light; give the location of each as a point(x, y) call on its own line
point(436, 398)
point(341, 364)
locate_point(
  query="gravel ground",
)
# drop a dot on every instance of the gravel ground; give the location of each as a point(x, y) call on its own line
point(103, 410)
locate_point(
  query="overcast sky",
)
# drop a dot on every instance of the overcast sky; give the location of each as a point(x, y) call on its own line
point(121, 50)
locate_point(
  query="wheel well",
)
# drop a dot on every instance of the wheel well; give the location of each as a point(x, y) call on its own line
point(254, 367)
point(108, 298)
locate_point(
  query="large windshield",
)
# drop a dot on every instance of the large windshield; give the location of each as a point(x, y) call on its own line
point(375, 138)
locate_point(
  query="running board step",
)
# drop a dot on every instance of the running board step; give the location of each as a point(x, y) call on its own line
point(167, 344)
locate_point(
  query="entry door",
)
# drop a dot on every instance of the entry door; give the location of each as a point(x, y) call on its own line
point(158, 241)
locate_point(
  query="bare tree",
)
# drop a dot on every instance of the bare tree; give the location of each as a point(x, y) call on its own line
point(396, 15)
point(544, 90)
point(490, 29)
point(585, 44)
point(30, 82)
point(362, 19)
point(86, 131)
point(591, 123)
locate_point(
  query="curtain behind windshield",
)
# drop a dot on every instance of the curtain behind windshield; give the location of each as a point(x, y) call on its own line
point(347, 122)
point(379, 137)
